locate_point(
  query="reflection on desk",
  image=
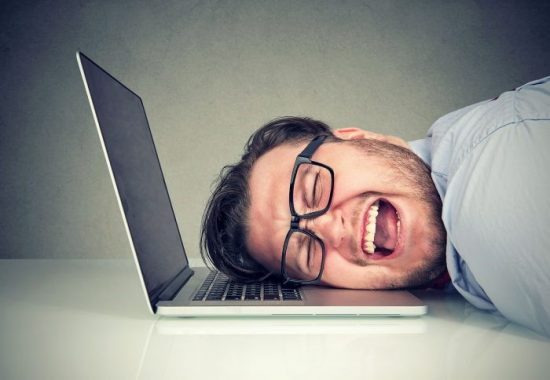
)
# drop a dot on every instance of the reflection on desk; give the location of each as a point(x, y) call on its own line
point(88, 319)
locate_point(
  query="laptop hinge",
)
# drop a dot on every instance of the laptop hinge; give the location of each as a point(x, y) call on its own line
point(173, 287)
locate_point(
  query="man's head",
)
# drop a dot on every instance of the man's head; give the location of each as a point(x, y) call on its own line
point(248, 216)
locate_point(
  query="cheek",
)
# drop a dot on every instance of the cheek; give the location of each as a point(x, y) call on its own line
point(348, 186)
point(339, 272)
point(360, 178)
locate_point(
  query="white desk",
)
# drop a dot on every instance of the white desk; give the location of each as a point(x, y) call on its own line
point(81, 319)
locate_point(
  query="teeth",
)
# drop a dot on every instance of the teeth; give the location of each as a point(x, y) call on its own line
point(368, 243)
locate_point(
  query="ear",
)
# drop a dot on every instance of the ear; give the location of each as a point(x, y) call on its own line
point(352, 133)
point(358, 133)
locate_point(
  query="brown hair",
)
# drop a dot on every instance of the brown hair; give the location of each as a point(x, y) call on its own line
point(224, 224)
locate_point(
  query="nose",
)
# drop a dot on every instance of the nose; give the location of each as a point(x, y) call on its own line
point(329, 227)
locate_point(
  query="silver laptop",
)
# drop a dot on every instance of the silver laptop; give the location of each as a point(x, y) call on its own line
point(170, 285)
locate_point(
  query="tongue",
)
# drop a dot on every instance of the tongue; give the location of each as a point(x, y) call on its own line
point(386, 227)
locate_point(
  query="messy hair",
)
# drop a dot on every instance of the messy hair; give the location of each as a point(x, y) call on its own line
point(225, 221)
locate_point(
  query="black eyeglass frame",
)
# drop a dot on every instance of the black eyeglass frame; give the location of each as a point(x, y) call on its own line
point(305, 158)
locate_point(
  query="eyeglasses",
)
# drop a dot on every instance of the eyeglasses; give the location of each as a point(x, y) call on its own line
point(310, 195)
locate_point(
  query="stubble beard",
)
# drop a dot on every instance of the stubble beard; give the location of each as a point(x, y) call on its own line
point(415, 175)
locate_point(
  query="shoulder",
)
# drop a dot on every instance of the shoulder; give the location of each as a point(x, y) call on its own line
point(497, 209)
point(456, 135)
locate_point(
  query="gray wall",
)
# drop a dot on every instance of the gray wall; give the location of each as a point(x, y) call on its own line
point(210, 73)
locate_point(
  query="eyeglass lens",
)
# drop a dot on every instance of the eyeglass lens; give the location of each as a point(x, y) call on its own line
point(303, 259)
point(311, 193)
point(312, 187)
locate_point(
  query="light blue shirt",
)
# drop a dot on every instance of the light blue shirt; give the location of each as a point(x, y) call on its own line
point(490, 163)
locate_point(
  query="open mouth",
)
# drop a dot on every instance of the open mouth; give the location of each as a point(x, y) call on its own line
point(381, 230)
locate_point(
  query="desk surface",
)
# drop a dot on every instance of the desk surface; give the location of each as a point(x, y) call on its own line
point(86, 319)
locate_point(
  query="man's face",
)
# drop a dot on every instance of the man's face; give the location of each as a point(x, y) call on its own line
point(409, 233)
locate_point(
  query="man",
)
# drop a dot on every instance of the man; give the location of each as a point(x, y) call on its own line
point(350, 208)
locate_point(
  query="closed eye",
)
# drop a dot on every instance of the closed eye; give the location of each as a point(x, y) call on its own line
point(315, 198)
point(310, 247)
point(305, 257)
point(318, 191)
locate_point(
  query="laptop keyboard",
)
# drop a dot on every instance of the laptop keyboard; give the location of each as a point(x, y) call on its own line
point(218, 287)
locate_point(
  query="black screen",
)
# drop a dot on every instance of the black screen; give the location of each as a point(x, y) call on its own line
point(138, 176)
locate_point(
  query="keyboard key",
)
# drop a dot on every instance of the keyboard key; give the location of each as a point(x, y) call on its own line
point(291, 295)
point(252, 297)
point(233, 297)
point(214, 297)
point(253, 292)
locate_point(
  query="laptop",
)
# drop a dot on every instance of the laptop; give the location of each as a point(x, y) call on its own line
point(171, 287)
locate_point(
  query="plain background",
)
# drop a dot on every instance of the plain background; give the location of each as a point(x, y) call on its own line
point(210, 73)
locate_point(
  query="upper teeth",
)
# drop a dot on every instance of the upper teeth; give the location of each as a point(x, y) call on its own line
point(368, 243)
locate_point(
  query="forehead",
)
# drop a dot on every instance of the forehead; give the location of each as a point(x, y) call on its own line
point(269, 213)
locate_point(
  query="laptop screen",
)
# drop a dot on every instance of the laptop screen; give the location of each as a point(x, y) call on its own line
point(136, 169)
